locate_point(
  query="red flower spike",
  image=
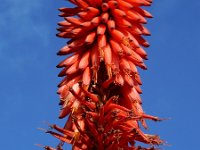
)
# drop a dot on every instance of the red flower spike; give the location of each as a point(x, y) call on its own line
point(100, 92)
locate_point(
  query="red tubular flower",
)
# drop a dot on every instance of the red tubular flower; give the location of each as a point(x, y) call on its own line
point(100, 93)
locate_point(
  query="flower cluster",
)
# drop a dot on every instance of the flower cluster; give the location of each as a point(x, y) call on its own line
point(100, 92)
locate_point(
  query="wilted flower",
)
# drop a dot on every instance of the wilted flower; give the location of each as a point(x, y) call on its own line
point(100, 92)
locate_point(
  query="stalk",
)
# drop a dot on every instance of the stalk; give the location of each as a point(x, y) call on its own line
point(100, 92)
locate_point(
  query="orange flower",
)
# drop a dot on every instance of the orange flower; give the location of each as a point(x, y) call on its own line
point(100, 93)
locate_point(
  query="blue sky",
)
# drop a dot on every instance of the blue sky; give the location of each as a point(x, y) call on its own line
point(28, 76)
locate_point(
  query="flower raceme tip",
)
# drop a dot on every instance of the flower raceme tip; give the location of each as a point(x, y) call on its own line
point(100, 92)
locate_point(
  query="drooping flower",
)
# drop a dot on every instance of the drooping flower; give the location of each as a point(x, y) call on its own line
point(100, 92)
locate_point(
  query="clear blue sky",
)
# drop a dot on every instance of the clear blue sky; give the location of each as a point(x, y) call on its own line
point(28, 76)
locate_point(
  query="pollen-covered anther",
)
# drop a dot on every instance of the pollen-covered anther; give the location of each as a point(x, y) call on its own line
point(126, 41)
point(75, 137)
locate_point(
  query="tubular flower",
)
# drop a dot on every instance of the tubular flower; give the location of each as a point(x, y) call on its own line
point(100, 92)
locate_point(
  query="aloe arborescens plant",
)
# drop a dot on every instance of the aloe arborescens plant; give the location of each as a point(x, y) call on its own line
point(100, 92)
